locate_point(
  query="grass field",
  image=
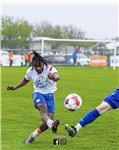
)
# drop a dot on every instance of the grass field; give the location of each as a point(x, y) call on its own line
point(20, 118)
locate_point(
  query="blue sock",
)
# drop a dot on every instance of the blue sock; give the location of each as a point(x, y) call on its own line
point(90, 117)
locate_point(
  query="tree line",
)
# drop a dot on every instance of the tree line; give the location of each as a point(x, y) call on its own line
point(16, 32)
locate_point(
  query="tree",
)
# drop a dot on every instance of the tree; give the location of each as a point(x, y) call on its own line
point(48, 30)
point(15, 32)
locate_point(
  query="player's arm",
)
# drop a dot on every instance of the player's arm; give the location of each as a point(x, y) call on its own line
point(54, 76)
point(20, 84)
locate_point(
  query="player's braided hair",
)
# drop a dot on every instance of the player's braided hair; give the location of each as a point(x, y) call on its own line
point(37, 59)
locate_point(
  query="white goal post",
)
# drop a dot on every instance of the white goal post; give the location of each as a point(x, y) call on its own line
point(45, 39)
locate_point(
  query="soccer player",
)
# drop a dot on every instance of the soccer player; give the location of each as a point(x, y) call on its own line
point(44, 77)
point(109, 102)
point(74, 56)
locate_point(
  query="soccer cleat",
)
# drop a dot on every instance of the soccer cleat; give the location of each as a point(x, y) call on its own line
point(55, 124)
point(29, 140)
point(71, 130)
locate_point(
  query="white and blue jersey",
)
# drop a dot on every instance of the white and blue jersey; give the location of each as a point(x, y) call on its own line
point(113, 99)
point(44, 87)
point(42, 83)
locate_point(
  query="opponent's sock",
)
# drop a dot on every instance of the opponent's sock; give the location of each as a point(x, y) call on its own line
point(36, 132)
point(88, 118)
point(78, 127)
point(49, 123)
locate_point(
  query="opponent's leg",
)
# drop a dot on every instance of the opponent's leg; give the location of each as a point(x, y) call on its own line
point(88, 118)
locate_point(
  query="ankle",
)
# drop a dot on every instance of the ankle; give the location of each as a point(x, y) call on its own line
point(49, 123)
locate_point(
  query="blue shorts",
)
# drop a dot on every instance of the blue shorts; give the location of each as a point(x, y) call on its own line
point(48, 99)
point(113, 99)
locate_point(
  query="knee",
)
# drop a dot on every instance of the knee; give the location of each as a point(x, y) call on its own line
point(102, 109)
point(42, 107)
point(51, 115)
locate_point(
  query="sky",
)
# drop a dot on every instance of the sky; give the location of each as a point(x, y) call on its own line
point(99, 18)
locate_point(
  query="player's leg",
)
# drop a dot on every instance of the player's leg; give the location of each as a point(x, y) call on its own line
point(47, 110)
point(110, 102)
point(103, 107)
point(74, 63)
point(42, 107)
point(38, 131)
point(42, 127)
point(50, 102)
point(88, 118)
point(47, 122)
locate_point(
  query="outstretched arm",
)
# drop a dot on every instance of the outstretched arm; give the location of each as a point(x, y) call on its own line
point(20, 84)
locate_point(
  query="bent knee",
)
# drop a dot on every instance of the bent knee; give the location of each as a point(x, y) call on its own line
point(103, 107)
point(42, 107)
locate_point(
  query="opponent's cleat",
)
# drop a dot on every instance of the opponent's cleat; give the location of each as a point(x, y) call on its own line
point(29, 140)
point(55, 124)
point(71, 130)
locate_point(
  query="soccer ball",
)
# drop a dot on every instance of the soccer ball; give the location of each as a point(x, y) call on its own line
point(73, 102)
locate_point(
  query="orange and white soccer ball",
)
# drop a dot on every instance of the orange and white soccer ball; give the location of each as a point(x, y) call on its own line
point(73, 102)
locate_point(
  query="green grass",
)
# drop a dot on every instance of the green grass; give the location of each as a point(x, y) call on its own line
point(20, 118)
